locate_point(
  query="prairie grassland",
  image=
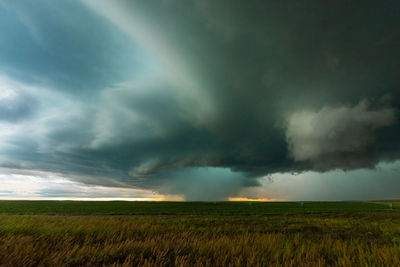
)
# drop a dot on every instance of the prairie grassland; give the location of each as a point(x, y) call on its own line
point(185, 208)
point(336, 239)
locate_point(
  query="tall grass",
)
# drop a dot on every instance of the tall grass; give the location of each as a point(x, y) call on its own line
point(199, 240)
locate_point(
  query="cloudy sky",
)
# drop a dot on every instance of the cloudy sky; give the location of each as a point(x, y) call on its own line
point(200, 100)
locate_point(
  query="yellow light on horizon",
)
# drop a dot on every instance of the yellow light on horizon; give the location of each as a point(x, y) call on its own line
point(255, 199)
point(169, 198)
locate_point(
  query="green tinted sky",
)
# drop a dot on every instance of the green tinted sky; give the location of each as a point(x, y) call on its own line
point(201, 99)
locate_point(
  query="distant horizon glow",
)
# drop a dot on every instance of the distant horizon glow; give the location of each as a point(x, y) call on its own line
point(276, 187)
point(245, 199)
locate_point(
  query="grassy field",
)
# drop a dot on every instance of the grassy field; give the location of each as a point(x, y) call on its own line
point(185, 208)
point(195, 234)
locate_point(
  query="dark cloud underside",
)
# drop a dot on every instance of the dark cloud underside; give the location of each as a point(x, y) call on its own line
point(151, 92)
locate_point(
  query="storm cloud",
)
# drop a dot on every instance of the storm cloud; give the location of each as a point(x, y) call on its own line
point(197, 98)
point(342, 137)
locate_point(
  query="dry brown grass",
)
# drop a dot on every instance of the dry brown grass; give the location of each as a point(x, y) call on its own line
point(288, 240)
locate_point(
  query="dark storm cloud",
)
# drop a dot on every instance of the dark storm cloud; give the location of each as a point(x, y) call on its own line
point(168, 88)
point(263, 62)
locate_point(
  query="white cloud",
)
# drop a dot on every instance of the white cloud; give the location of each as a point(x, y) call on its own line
point(47, 185)
point(336, 132)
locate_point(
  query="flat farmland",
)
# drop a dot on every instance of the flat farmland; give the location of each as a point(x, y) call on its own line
point(187, 208)
point(58, 233)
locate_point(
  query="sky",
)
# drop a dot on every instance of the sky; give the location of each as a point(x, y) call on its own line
point(200, 100)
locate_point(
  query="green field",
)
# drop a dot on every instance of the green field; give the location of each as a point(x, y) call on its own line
point(185, 208)
point(66, 233)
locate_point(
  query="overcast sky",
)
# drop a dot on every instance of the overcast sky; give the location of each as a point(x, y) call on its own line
point(200, 100)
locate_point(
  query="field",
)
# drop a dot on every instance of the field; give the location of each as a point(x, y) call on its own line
point(66, 233)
